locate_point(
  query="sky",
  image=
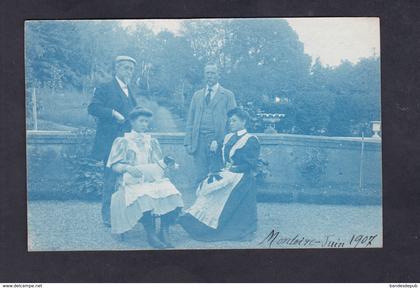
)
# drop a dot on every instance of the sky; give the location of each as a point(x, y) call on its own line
point(332, 40)
point(337, 39)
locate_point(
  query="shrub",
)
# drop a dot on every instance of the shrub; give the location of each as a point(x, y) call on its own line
point(312, 167)
point(88, 177)
point(262, 171)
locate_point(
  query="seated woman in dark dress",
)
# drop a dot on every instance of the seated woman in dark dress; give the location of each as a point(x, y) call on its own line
point(225, 208)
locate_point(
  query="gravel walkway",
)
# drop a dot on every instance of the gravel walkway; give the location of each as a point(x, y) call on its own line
point(76, 225)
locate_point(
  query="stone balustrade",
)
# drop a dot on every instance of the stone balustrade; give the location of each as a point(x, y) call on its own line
point(302, 167)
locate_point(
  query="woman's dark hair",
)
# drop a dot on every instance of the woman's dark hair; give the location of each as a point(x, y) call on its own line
point(139, 111)
point(240, 113)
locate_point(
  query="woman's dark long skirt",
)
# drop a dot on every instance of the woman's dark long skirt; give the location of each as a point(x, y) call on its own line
point(238, 220)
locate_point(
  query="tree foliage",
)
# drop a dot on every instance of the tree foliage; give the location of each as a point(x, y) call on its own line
point(261, 60)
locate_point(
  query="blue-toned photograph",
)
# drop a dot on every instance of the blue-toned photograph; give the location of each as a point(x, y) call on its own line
point(203, 134)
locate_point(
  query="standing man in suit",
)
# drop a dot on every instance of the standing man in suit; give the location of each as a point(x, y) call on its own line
point(111, 104)
point(206, 122)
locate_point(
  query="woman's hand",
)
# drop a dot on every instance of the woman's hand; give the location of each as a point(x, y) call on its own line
point(135, 172)
point(118, 116)
point(213, 146)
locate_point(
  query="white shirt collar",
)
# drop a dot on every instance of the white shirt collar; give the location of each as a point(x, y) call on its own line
point(241, 132)
point(213, 88)
point(123, 86)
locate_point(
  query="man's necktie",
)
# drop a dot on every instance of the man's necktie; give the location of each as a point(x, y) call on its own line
point(208, 96)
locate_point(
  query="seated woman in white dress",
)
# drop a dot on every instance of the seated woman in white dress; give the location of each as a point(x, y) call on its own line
point(226, 208)
point(142, 190)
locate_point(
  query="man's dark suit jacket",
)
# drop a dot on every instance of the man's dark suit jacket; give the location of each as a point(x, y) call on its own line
point(107, 97)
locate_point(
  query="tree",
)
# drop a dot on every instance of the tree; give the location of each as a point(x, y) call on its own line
point(357, 92)
point(262, 61)
point(258, 56)
point(52, 57)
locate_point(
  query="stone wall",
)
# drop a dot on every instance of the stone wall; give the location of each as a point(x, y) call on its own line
point(303, 168)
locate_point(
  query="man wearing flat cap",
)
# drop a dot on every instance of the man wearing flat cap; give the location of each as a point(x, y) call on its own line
point(111, 104)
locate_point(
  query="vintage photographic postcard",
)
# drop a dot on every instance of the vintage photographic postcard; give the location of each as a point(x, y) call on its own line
point(203, 134)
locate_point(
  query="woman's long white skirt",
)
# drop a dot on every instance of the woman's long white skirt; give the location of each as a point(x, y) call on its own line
point(130, 202)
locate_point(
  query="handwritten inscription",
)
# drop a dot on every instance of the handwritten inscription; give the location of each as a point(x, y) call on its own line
point(274, 239)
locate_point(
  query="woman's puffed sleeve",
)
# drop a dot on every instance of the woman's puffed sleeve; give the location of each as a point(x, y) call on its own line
point(156, 152)
point(118, 152)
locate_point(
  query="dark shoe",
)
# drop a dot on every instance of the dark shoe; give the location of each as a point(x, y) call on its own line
point(164, 237)
point(149, 226)
point(154, 241)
